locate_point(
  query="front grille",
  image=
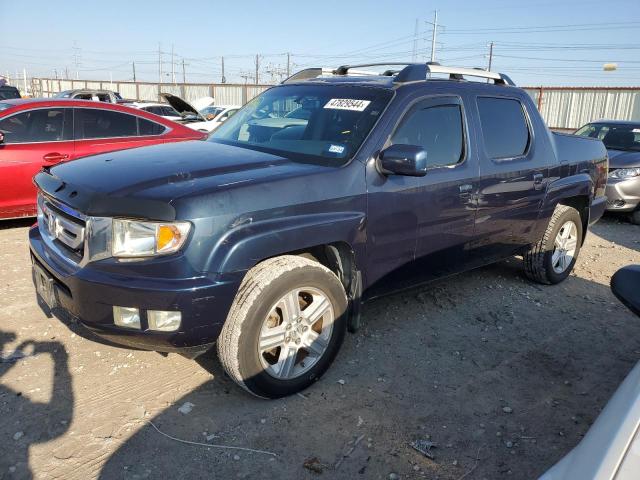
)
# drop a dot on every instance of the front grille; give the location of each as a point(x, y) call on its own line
point(63, 226)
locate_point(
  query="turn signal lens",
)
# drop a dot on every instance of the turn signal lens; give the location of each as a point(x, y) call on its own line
point(168, 236)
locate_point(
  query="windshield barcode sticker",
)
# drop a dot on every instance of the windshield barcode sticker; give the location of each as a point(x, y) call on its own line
point(347, 104)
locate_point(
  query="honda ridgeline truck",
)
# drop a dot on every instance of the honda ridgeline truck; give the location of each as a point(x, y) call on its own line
point(328, 190)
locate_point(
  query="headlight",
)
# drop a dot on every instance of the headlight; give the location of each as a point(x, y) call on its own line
point(132, 238)
point(625, 173)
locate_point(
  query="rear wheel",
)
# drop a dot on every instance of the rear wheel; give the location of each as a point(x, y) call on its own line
point(285, 327)
point(552, 258)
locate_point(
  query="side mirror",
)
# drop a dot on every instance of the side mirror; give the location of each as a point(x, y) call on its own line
point(625, 284)
point(408, 160)
point(223, 119)
point(1, 138)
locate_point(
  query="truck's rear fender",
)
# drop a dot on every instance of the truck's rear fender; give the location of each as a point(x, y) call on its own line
point(575, 191)
point(244, 246)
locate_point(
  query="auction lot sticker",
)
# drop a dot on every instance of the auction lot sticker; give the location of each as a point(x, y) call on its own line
point(347, 104)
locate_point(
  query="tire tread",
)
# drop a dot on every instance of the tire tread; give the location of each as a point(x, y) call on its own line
point(534, 266)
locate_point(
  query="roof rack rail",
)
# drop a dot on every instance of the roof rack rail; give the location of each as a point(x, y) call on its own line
point(410, 72)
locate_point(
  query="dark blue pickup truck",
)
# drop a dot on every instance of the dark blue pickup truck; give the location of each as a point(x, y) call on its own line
point(330, 189)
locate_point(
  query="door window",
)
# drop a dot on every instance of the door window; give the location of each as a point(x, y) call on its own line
point(436, 128)
point(169, 112)
point(147, 127)
point(94, 123)
point(41, 125)
point(504, 127)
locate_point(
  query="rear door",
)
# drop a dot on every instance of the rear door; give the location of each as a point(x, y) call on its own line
point(428, 219)
point(33, 139)
point(513, 176)
point(101, 130)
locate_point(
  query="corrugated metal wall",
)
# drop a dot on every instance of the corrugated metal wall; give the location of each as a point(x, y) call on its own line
point(561, 107)
point(224, 94)
point(570, 108)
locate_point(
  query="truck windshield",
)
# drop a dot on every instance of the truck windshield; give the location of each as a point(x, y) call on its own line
point(321, 123)
point(625, 137)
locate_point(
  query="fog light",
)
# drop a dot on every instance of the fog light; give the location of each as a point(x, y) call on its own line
point(126, 317)
point(164, 321)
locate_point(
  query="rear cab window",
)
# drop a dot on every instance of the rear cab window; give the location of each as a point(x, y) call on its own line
point(505, 128)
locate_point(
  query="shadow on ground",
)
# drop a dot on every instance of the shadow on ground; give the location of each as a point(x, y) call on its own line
point(428, 364)
point(54, 415)
point(618, 229)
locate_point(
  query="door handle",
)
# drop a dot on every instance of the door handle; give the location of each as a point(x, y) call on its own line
point(55, 157)
point(537, 180)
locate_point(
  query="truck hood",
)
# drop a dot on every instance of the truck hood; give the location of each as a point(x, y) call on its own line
point(144, 181)
point(623, 159)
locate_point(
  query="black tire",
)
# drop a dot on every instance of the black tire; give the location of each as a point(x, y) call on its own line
point(261, 288)
point(538, 264)
point(635, 217)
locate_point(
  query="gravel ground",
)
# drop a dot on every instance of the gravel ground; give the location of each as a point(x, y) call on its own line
point(504, 376)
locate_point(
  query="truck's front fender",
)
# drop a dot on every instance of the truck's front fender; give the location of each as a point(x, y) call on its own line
point(249, 242)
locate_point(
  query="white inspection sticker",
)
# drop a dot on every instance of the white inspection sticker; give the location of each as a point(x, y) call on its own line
point(336, 149)
point(347, 104)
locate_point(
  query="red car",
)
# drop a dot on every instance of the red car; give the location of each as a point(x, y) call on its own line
point(41, 132)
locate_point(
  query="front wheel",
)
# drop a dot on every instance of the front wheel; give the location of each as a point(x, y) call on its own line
point(284, 328)
point(635, 217)
point(551, 259)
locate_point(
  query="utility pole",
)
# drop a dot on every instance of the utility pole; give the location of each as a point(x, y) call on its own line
point(288, 64)
point(55, 73)
point(159, 63)
point(133, 64)
point(184, 75)
point(434, 35)
point(76, 59)
point(490, 56)
point(173, 67)
point(224, 79)
point(257, 67)
point(24, 73)
point(414, 56)
point(66, 73)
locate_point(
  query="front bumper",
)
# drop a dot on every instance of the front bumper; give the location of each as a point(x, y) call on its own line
point(623, 195)
point(87, 294)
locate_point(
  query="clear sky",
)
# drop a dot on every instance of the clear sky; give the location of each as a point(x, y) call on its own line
point(543, 42)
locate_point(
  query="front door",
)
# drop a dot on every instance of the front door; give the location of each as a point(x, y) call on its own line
point(32, 139)
point(419, 227)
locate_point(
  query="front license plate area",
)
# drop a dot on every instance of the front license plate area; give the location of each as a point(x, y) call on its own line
point(44, 287)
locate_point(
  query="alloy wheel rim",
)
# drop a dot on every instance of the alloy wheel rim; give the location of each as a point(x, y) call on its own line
point(295, 333)
point(565, 246)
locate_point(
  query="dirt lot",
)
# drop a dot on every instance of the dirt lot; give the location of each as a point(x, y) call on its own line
point(503, 375)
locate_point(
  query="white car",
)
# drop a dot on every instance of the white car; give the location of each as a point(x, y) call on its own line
point(205, 120)
point(161, 109)
point(611, 448)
